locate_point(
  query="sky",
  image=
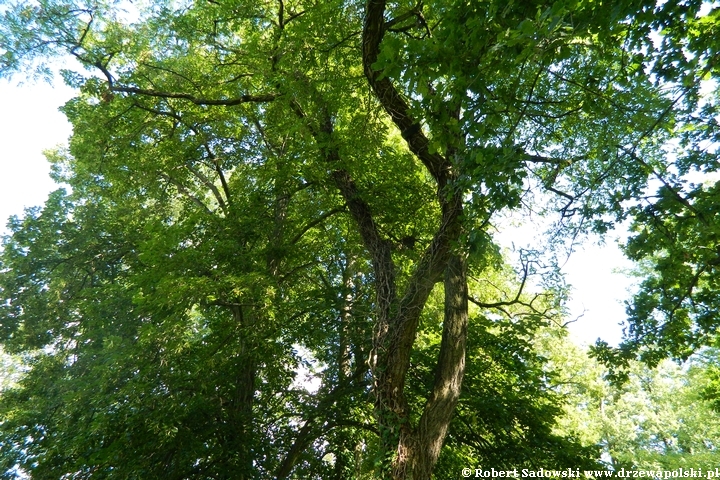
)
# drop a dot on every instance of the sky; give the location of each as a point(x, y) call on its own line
point(31, 123)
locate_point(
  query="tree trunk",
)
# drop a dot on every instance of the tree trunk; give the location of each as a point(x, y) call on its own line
point(417, 448)
point(435, 420)
point(397, 318)
point(241, 407)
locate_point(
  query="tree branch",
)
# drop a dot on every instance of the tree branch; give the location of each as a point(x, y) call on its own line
point(206, 181)
point(379, 248)
point(390, 98)
point(228, 102)
point(682, 200)
point(315, 222)
point(183, 189)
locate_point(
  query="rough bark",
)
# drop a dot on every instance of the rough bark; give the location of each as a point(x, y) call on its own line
point(435, 420)
point(417, 447)
point(241, 406)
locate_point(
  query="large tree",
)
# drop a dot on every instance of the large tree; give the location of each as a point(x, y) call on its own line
point(258, 185)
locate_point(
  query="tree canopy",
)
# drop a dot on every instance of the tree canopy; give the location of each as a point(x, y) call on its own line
point(661, 418)
point(257, 189)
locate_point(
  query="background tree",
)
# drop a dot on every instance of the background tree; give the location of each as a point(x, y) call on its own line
point(674, 223)
point(659, 419)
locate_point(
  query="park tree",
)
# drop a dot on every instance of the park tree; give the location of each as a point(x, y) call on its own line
point(255, 189)
point(660, 418)
point(674, 223)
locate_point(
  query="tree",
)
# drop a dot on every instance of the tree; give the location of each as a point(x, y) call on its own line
point(236, 185)
point(674, 230)
point(659, 419)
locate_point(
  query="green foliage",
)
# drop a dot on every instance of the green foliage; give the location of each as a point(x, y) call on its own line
point(674, 222)
point(658, 419)
point(241, 209)
point(676, 236)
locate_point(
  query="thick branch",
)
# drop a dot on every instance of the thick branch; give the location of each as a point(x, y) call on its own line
point(303, 440)
point(206, 181)
point(223, 181)
point(379, 248)
point(313, 428)
point(428, 272)
point(390, 98)
point(183, 189)
point(414, 12)
point(552, 160)
point(449, 373)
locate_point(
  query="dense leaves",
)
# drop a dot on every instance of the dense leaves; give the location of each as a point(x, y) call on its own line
point(260, 190)
point(660, 419)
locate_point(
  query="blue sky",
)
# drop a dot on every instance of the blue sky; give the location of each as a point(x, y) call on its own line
point(30, 123)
